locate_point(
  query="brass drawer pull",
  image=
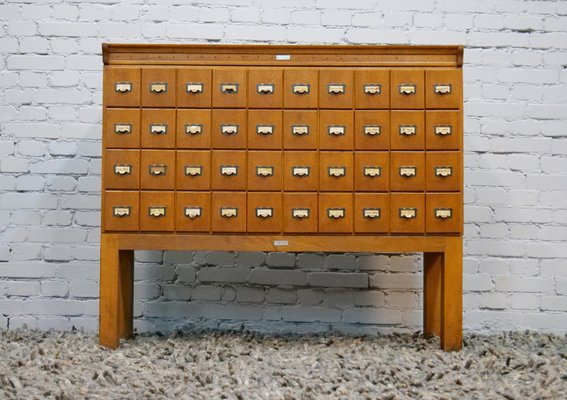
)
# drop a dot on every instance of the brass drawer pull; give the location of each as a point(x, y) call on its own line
point(336, 130)
point(301, 88)
point(300, 130)
point(123, 87)
point(229, 88)
point(193, 88)
point(443, 88)
point(265, 88)
point(157, 211)
point(158, 87)
point(193, 170)
point(264, 129)
point(193, 129)
point(229, 212)
point(229, 170)
point(229, 129)
point(264, 171)
point(444, 213)
point(121, 211)
point(122, 169)
point(372, 88)
point(443, 130)
point(264, 212)
point(408, 171)
point(300, 213)
point(337, 171)
point(336, 213)
point(158, 129)
point(300, 171)
point(407, 89)
point(408, 130)
point(336, 88)
point(122, 129)
point(371, 213)
point(408, 213)
point(372, 130)
point(373, 172)
point(157, 169)
point(193, 212)
point(443, 172)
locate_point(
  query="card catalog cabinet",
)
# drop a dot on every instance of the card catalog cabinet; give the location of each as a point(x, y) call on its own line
point(217, 144)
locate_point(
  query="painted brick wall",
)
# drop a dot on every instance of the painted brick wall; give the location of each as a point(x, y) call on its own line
point(516, 169)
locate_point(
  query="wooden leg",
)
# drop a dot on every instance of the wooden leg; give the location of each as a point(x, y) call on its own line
point(116, 292)
point(452, 295)
point(432, 272)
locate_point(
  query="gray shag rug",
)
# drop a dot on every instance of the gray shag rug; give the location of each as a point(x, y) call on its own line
point(224, 365)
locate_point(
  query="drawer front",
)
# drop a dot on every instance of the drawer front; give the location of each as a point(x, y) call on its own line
point(336, 171)
point(265, 88)
point(229, 129)
point(193, 129)
point(194, 87)
point(228, 212)
point(444, 213)
point(122, 128)
point(121, 211)
point(157, 212)
point(228, 170)
point(372, 171)
point(407, 88)
point(193, 171)
point(300, 129)
point(407, 171)
point(157, 169)
point(336, 130)
point(443, 88)
point(336, 88)
point(265, 170)
point(335, 212)
point(443, 171)
point(443, 130)
point(122, 169)
point(193, 211)
point(301, 171)
point(300, 212)
point(372, 88)
point(371, 212)
point(408, 132)
point(158, 128)
point(122, 86)
point(158, 87)
point(407, 213)
point(301, 88)
point(264, 129)
point(371, 130)
point(264, 212)
point(229, 87)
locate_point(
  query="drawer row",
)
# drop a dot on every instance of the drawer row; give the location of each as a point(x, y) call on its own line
point(327, 171)
point(366, 88)
point(270, 212)
point(276, 129)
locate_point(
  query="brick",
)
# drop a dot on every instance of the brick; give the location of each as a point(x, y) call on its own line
point(403, 264)
point(278, 277)
point(22, 28)
point(228, 294)
point(251, 258)
point(372, 316)
point(14, 164)
point(149, 256)
point(172, 309)
point(494, 230)
point(365, 35)
point(546, 41)
point(523, 284)
point(22, 323)
point(63, 166)
point(196, 31)
point(81, 202)
point(359, 5)
point(547, 111)
point(68, 29)
point(232, 311)
point(57, 253)
point(341, 262)
point(58, 218)
point(401, 300)
point(185, 274)
point(275, 16)
point(495, 178)
point(310, 296)
point(522, 215)
point(479, 282)
point(177, 257)
point(339, 298)
point(30, 182)
point(207, 292)
point(28, 201)
point(220, 258)
point(84, 288)
point(23, 289)
point(4, 253)
point(310, 261)
point(89, 184)
point(78, 270)
point(118, 30)
point(224, 274)
point(373, 263)
point(554, 303)
point(306, 314)
point(55, 288)
point(245, 14)
point(524, 301)
point(55, 307)
point(396, 281)
point(369, 298)
point(245, 294)
point(546, 250)
point(281, 260)
point(493, 301)
point(315, 35)
point(25, 252)
point(281, 296)
point(553, 268)
point(36, 62)
point(86, 253)
point(87, 218)
point(31, 148)
point(54, 323)
point(146, 291)
point(561, 286)
point(338, 279)
point(177, 292)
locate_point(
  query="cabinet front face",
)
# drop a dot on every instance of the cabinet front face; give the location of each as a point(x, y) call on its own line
point(229, 129)
point(444, 213)
point(193, 129)
point(264, 212)
point(407, 171)
point(193, 171)
point(192, 211)
point(122, 169)
point(301, 88)
point(194, 87)
point(371, 130)
point(336, 88)
point(443, 130)
point(407, 88)
point(335, 212)
point(228, 212)
point(372, 88)
point(121, 211)
point(443, 171)
point(158, 128)
point(122, 128)
point(336, 130)
point(264, 129)
point(371, 212)
point(372, 171)
point(265, 170)
point(300, 129)
point(157, 212)
point(407, 213)
point(122, 86)
point(157, 169)
point(336, 171)
point(158, 87)
point(408, 130)
point(300, 212)
point(301, 171)
point(228, 170)
point(443, 89)
point(229, 87)
point(265, 88)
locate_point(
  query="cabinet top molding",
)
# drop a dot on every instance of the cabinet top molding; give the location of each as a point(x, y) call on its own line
point(283, 55)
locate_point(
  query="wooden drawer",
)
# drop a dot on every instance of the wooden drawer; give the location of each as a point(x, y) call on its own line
point(264, 212)
point(301, 88)
point(443, 171)
point(265, 170)
point(157, 212)
point(300, 129)
point(229, 129)
point(371, 212)
point(121, 169)
point(335, 212)
point(371, 130)
point(158, 128)
point(407, 171)
point(407, 88)
point(193, 211)
point(443, 88)
point(372, 171)
point(193, 171)
point(336, 130)
point(264, 129)
point(229, 87)
point(372, 88)
point(193, 129)
point(121, 87)
point(301, 171)
point(300, 212)
point(407, 213)
point(408, 132)
point(444, 213)
point(157, 169)
point(265, 88)
point(336, 171)
point(336, 88)
point(443, 130)
point(228, 212)
point(228, 170)
point(121, 211)
point(122, 128)
point(194, 87)
point(158, 87)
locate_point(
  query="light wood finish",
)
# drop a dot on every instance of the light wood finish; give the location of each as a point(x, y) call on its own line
point(228, 129)
point(157, 169)
point(199, 76)
point(436, 95)
point(329, 203)
point(121, 86)
point(372, 171)
point(300, 129)
point(121, 169)
point(126, 217)
point(223, 201)
point(122, 128)
point(228, 170)
point(371, 212)
point(408, 130)
point(232, 76)
point(264, 212)
point(265, 88)
point(407, 213)
point(193, 211)
point(371, 130)
point(301, 98)
point(443, 130)
point(407, 171)
point(372, 88)
point(158, 87)
point(336, 130)
point(193, 170)
point(401, 81)
point(151, 202)
point(336, 171)
point(443, 171)
point(264, 170)
point(300, 211)
point(193, 129)
point(444, 213)
point(343, 80)
point(158, 128)
point(265, 129)
point(301, 172)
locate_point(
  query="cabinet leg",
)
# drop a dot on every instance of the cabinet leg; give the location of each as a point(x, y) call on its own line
point(452, 295)
point(432, 272)
point(116, 292)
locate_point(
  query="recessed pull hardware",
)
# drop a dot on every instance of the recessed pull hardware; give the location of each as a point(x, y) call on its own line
point(408, 130)
point(372, 130)
point(158, 87)
point(122, 129)
point(264, 212)
point(300, 213)
point(444, 213)
point(337, 171)
point(442, 89)
point(336, 130)
point(300, 171)
point(408, 171)
point(158, 129)
point(372, 88)
point(335, 213)
point(229, 212)
point(265, 88)
point(408, 213)
point(123, 87)
point(193, 129)
point(407, 89)
point(193, 170)
point(193, 88)
point(121, 211)
point(156, 212)
point(301, 88)
point(371, 213)
point(373, 172)
point(229, 88)
point(193, 212)
point(335, 88)
point(229, 170)
point(443, 172)
point(121, 169)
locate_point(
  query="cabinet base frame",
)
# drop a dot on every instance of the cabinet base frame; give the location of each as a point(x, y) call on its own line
point(442, 272)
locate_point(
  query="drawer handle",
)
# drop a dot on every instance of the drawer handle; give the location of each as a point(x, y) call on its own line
point(336, 88)
point(444, 213)
point(229, 129)
point(121, 211)
point(300, 130)
point(122, 129)
point(229, 88)
point(443, 88)
point(337, 171)
point(264, 129)
point(373, 172)
point(264, 212)
point(408, 171)
point(229, 212)
point(193, 88)
point(372, 130)
point(301, 88)
point(336, 130)
point(157, 169)
point(193, 212)
point(300, 213)
point(158, 87)
point(157, 211)
point(123, 87)
point(158, 129)
point(300, 171)
point(193, 170)
point(372, 88)
point(407, 89)
point(265, 88)
point(193, 129)
point(121, 169)
point(443, 130)
point(443, 172)
point(335, 213)
point(408, 130)
point(264, 171)
point(229, 170)
point(408, 213)
point(371, 213)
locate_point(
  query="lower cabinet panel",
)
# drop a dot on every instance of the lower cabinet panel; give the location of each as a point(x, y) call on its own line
point(264, 212)
point(407, 213)
point(157, 211)
point(193, 211)
point(371, 212)
point(300, 211)
point(121, 211)
point(228, 212)
point(444, 213)
point(335, 212)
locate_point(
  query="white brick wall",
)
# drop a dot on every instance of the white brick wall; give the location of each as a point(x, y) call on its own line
point(516, 169)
